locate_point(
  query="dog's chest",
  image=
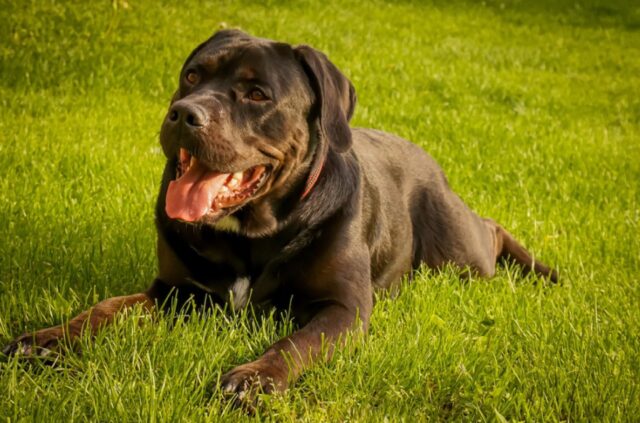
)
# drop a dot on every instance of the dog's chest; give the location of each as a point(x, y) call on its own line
point(254, 273)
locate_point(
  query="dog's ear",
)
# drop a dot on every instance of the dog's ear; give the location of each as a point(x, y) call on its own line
point(335, 96)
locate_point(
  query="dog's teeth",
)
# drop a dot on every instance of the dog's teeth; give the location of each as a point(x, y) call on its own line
point(234, 181)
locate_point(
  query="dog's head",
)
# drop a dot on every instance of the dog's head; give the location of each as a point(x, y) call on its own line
point(250, 126)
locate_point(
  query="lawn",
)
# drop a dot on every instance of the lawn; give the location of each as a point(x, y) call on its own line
point(533, 111)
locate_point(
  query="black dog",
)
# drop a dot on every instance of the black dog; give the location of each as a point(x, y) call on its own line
point(269, 197)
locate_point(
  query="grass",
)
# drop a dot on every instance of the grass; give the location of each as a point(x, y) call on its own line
point(532, 110)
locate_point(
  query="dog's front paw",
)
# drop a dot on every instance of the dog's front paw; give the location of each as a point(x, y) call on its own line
point(43, 343)
point(245, 382)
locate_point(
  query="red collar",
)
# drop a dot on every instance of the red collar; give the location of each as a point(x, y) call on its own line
point(312, 179)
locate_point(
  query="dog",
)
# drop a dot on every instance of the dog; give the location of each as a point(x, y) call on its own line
point(269, 198)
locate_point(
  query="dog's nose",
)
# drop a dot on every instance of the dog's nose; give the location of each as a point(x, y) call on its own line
point(188, 114)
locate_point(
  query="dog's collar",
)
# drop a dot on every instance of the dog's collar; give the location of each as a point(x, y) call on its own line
point(312, 179)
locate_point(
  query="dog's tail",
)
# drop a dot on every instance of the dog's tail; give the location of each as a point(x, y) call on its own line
point(507, 248)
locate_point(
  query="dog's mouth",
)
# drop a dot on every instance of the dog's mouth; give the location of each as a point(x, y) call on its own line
point(198, 191)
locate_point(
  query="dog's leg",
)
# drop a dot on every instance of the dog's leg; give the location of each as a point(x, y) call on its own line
point(45, 342)
point(285, 360)
point(507, 248)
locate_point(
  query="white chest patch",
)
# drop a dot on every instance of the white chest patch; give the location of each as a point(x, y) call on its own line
point(239, 293)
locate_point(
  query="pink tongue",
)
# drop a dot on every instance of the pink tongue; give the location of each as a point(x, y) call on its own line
point(191, 196)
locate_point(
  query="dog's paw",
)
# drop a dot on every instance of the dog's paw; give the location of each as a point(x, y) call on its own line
point(41, 344)
point(244, 383)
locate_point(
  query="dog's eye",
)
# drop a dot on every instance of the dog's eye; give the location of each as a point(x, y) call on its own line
point(256, 94)
point(191, 77)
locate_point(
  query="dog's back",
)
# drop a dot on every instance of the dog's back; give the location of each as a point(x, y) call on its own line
point(411, 212)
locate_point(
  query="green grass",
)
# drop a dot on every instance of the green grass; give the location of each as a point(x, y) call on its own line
point(532, 110)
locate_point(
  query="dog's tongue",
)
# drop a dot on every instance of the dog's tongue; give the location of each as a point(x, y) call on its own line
point(191, 196)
